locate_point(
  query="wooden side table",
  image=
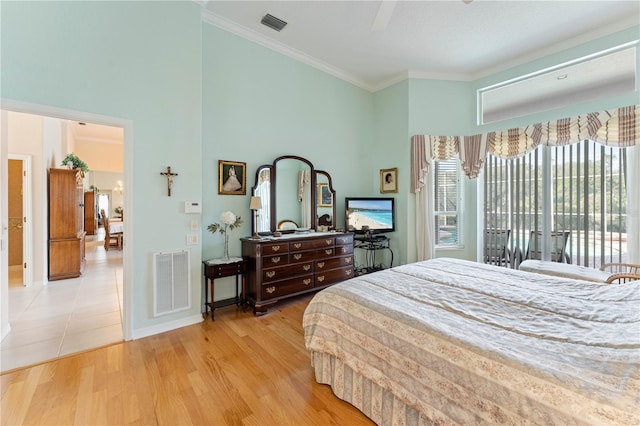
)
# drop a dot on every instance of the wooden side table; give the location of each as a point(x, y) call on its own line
point(218, 268)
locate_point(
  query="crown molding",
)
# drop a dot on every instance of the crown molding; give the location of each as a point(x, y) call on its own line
point(254, 36)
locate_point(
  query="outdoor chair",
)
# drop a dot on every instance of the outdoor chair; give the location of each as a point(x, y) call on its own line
point(559, 241)
point(496, 251)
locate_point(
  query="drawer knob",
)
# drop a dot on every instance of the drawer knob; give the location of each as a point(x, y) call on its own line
point(320, 278)
point(306, 267)
point(275, 248)
point(348, 260)
point(320, 264)
point(329, 251)
point(297, 256)
point(306, 281)
point(297, 245)
point(271, 289)
point(343, 240)
point(345, 250)
point(275, 259)
point(348, 272)
point(329, 242)
point(271, 274)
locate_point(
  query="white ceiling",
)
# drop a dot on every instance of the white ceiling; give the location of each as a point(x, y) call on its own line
point(453, 40)
point(90, 132)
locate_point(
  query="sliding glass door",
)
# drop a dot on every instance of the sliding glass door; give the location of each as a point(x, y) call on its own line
point(562, 203)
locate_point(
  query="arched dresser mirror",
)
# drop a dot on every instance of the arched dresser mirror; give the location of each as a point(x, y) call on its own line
point(288, 190)
point(325, 202)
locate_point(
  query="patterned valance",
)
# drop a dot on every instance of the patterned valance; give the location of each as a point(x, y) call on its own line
point(618, 127)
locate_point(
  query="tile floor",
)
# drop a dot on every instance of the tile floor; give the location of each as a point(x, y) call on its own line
point(66, 316)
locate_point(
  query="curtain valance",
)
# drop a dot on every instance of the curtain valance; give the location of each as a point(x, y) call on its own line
point(618, 127)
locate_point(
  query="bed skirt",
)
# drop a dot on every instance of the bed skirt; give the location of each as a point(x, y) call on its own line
point(377, 403)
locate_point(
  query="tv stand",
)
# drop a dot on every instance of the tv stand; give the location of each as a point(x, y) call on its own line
point(372, 244)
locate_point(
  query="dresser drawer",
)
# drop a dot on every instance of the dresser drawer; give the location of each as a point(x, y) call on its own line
point(287, 287)
point(336, 262)
point(275, 248)
point(344, 239)
point(226, 270)
point(333, 276)
point(342, 250)
point(287, 271)
point(306, 256)
point(311, 244)
point(275, 260)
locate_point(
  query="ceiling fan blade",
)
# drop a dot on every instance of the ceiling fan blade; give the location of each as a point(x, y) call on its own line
point(384, 15)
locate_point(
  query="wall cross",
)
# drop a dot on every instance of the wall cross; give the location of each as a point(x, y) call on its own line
point(169, 177)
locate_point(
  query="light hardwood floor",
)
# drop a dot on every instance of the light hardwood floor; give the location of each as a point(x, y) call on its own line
point(239, 369)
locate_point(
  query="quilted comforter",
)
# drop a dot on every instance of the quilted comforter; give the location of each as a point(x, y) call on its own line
point(455, 342)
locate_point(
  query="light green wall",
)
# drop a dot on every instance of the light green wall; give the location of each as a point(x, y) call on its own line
point(389, 149)
point(259, 105)
point(139, 61)
point(197, 94)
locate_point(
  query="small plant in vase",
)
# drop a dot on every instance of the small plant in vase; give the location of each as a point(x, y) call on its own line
point(229, 222)
point(73, 162)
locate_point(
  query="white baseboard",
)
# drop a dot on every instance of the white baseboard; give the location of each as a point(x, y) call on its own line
point(166, 326)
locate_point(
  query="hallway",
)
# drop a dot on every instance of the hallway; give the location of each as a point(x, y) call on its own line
point(66, 316)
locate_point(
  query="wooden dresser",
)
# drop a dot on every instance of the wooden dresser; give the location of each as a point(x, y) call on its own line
point(66, 224)
point(278, 268)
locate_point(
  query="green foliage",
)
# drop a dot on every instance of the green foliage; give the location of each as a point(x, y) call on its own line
point(216, 227)
point(77, 163)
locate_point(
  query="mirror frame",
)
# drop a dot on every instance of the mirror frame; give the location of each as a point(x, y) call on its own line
point(333, 194)
point(273, 220)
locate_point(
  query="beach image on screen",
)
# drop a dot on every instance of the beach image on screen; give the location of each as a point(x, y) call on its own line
point(376, 214)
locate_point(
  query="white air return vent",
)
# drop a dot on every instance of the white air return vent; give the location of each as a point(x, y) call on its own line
point(171, 282)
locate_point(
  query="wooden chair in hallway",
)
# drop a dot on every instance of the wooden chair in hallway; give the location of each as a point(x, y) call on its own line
point(111, 240)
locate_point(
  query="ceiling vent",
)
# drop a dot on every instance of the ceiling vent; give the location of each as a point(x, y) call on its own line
point(273, 22)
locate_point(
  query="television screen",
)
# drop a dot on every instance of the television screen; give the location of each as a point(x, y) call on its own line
point(375, 214)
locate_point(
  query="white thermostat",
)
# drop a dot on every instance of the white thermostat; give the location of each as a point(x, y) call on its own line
point(192, 207)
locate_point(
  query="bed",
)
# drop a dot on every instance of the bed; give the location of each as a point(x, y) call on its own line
point(448, 341)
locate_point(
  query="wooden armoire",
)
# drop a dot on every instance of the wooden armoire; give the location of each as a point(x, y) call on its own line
point(90, 218)
point(66, 224)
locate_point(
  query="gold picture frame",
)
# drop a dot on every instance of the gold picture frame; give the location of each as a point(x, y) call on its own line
point(232, 177)
point(325, 197)
point(388, 180)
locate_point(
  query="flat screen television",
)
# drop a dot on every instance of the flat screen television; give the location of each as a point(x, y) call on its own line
point(375, 214)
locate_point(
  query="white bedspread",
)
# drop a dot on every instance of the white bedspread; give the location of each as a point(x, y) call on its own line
point(468, 343)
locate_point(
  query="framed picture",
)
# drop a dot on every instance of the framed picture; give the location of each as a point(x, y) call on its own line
point(232, 177)
point(388, 180)
point(325, 197)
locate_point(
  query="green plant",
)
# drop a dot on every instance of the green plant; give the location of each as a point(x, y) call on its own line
point(94, 188)
point(75, 161)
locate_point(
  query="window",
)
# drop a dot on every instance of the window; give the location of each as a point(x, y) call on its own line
point(448, 203)
point(585, 186)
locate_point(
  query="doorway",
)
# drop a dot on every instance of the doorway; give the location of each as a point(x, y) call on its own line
point(49, 115)
point(20, 259)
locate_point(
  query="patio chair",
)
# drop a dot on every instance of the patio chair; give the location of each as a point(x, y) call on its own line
point(559, 241)
point(496, 251)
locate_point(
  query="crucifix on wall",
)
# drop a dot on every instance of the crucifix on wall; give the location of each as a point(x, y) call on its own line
point(169, 175)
